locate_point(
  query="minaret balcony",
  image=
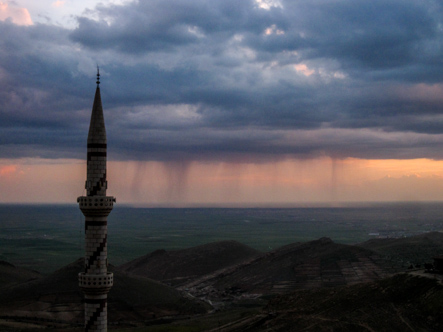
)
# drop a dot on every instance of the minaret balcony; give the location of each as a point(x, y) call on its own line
point(96, 205)
point(96, 283)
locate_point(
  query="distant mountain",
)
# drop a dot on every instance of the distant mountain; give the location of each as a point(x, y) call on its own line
point(179, 266)
point(10, 274)
point(399, 303)
point(58, 297)
point(415, 250)
point(315, 264)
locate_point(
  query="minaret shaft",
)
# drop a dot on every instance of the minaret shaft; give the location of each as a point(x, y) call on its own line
point(95, 281)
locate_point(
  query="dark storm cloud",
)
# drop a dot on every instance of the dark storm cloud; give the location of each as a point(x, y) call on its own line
point(42, 101)
point(213, 79)
point(164, 25)
point(376, 34)
point(363, 34)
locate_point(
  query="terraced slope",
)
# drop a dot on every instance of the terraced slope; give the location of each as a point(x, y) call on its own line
point(415, 250)
point(399, 303)
point(315, 264)
point(180, 266)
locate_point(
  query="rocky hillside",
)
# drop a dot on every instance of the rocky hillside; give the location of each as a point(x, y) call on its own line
point(180, 266)
point(315, 264)
point(10, 274)
point(415, 250)
point(58, 297)
point(399, 303)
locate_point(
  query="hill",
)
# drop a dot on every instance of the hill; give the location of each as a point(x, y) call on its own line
point(180, 266)
point(314, 264)
point(399, 303)
point(57, 297)
point(10, 274)
point(415, 250)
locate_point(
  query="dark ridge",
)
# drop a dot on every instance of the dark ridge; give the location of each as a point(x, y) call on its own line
point(316, 264)
point(416, 250)
point(400, 303)
point(12, 275)
point(6, 264)
point(58, 297)
point(179, 266)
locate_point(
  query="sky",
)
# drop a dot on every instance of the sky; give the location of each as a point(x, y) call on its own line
point(223, 102)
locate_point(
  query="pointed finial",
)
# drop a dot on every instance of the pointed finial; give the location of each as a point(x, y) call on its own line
point(98, 76)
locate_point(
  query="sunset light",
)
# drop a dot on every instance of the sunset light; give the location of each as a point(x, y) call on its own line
point(239, 103)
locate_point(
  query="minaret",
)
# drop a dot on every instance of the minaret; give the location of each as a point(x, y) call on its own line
point(95, 282)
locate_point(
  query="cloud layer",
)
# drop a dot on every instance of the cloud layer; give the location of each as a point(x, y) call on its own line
point(249, 80)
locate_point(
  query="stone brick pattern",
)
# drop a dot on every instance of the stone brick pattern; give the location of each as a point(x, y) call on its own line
point(96, 250)
point(96, 313)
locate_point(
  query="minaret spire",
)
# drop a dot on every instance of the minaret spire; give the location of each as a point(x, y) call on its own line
point(98, 76)
point(96, 281)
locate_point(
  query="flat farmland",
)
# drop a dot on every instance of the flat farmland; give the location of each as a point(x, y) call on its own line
point(46, 237)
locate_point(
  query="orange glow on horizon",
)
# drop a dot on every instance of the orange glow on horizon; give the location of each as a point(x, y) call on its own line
point(423, 167)
point(227, 183)
point(290, 180)
point(7, 170)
